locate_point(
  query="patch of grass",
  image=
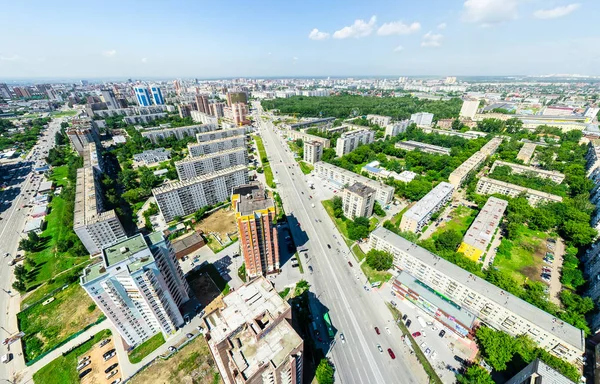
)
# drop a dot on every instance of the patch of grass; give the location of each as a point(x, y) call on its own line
point(526, 255)
point(59, 175)
point(214, 245)
point(339, 223)
point(462, 217)
point(373, 221)
point(64, 113)
point(283, 294)
point(269, 176)
point(360, 255)
point(146, 348)
point(374, 276)
point(63, 369)
point(300, 267)
point(46, 326)
point(305, 167)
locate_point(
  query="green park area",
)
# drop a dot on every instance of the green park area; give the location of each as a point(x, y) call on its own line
point(147, 347)
point(305, 167)
point(47, 326)
point(63, 369)
point(460, 220)
point(522, 257)
point(58, 114)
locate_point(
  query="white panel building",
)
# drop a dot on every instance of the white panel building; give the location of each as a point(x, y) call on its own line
point(201, 165)
point(349, 141)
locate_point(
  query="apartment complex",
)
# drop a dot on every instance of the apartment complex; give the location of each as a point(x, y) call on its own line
point(313, 151)
point(341, 177)
point(488, 186)
point(492, 305)
point(201, 165)
point(95, 227)
point(202, 104)
point(395, 129)
point(469, 108)
point(526, 152)
point(555, 176)
point(358, 200)
point(182, 198)
point(239, 111)
point(251, 338)
point(220, 134)
point(538, 372)
point(152, 156)
point(469, 135)
point(417, 216)
point(349, 141)
point(203, 118)
point(460, 174)
point(382, 121)
point(212, 146)
point(82, 133)
point(593, 156)
point(422, 119)
point(255, 217)
point(143, 96)
point(154, 134)
point(157, 95)
point(411, 145)
point(139, 287)
point(295, 135)
point(480, 233)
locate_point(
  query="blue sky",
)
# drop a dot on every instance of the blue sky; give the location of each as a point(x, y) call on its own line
point(224, 38)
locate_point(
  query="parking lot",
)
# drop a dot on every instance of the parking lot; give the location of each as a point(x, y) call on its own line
point(100, 365)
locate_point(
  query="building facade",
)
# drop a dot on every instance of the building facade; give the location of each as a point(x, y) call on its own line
point(417, 216)
point(139, 287)
point(469, 108)
point(295, 135)
point(142, 94)
point(313, 151)
point(203, 118)
point(255, 218)
point(157, 95)
point(488, 186)
point(220, 134)
point(526, 152)
point(394, 129)
point(479, 235)
point(156, 134)
point(382, 121)
point(411, 145)
point(422, 119)
point(349, 141)
point(358, 201)
point(201, 165)
point(109, 98)
point(218, 145)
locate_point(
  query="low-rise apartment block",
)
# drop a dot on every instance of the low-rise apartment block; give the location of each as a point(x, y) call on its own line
point(480, 233)
point(526, 152)
point(349, 141)
point(417, 216)
point(555, 176)
point(217, 145)
point(382, 121)
point(394, 129)
point(313, 151)
point(221, 134)
point(201, 165)
point(411, 145)
point(358, 200)
point(488, 186)
point(460, 174)
point(139, 287)
point(341, 177)
point(492, 305)
point(203, 118)
point(152, 156)
point(422, 119)
point(144, 119)
point(251, 338)
point(469, 135)
point(491, 146)
point(295, 135)
point(156, 134)
point(182, 198)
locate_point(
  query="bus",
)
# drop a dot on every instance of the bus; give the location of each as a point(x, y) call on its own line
point(327, 320)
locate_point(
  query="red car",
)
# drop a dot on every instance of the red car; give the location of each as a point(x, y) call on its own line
point(377, 331)
point(416, 334)
point(391, 353)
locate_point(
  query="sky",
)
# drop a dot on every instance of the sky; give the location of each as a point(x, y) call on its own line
point(261, 38)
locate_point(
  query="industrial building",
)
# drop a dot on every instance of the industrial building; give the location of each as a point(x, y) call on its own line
point(417, 216)
point(519, 169)
point(340, 177)
point(411, 145)
point(139, 287)
point(358, 200)
point(251, 338)
point(191, 167)
point(491, 305)
point(479, 235)
point(349, 141)
point(488, 186)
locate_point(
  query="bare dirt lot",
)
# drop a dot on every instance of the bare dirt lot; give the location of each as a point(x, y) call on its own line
point(98, 365)
point(192, 364)
point(221, 222)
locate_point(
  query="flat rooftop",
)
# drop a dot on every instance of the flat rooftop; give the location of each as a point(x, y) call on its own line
point(534, 315)
point(483, 227)
point(519, 188)
point(92, 272)
point(237, 137)
point(526, 168)
point(252, 198)
point(174, 185)
point(123, 250)
point(411, 144)
point(422, 208)
point(210, 155)
point(356, 177)
point(360, 189)
point(221, 133)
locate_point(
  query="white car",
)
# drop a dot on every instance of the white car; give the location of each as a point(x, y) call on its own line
point(388, 331)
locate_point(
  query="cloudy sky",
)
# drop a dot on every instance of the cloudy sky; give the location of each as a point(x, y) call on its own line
point(208, 39)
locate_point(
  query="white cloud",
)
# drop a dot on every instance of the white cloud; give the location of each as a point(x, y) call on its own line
point(315, 34)
point(360, 28)
point(144, 60)
point(13, 57)
point(109, 53)
point(431, 39)
point(442, 26)
point(398, 28)
point(489, 12)
point(556, 12)
point(398, 48)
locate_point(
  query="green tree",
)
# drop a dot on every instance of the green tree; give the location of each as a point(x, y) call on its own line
point(497, 347)
point(448, 240)
point(325, 372)
point(378, 210)
point(359, 228)
point(475, 374)
point(299, 143)
point(379, 260)
point(338, 207)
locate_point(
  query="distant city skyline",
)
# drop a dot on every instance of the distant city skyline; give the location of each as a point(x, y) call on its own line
point(184, 39)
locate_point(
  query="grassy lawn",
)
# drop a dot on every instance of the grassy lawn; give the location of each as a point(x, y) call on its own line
point(265, 164)
point(360, 255)
point(374, 275)
point(59, 175)
point(261, 147)
point(269, 176)
point(339, 223)
point(146, 348)
point(64, 113)
point(62, 370)
point(283, 294)
point(193, 363)
point(214, 245)
point(300, 267)
point(461, 219)
point(46, 326)
point(373, 221)
point(305, 167)
point(526, 255)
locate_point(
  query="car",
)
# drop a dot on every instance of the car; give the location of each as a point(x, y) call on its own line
point(83, 360)
point(427, 351)
point(379, 347)
point(111, 374)
point(84, 373)
point(442, 333)
point(172, 349)
point(377, 331)
point(108, 352)
point(7, 357)
point(387, 329)
point(459, 359)
point(404, 317)
point(310, 268)
point(391, 353)
point(186, 318)
point(394, 304)
point(200, 328)
point(342, 338)
point(350, 264)
point(408, 323)
point(104, 342)
point(117, 381)
point(416, 334)
point(328, 246)
point(295, 265)
point(189, 335)
point(84, 364)
point(111, 367)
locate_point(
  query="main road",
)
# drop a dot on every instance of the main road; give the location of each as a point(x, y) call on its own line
point(354, 311)
point(11, 227)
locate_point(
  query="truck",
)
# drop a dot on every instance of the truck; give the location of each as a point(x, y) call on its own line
point(327, 320)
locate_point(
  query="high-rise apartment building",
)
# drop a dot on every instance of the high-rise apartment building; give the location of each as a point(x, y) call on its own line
point(217, 145)
point(214, 135)
point(382, 121)
point(255, 217)
point(157, 95)
point(236, 97)
point(313, 151)
point(139, 287)
point(422, 119)
point(81, 133)
point(143, 96)
point(349, 141)
point(393, 129)
point(358, 200)
point(204, 118)
point(201, 165)
point(21, 92)
point(239, 111)
point(109, 98)
point(155, 134)
point(5, 92)
point(202, 104)
point(182, 198)
point(251, 339)
point(217, 109)
point(184, 110)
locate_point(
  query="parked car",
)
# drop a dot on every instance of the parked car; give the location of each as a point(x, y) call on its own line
point(459, 359)
point(416, 334)
point(310, 268)
point(442, 333)
point(189, 335)
point(111, 374)
point(111, 367)
point(110, 356)
point(172, 349)
point(117, 381)
point(84, 364)
point(108, 352)
point(104, 342)
point(404, 317)
point(84, 373)
point(408, 323)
